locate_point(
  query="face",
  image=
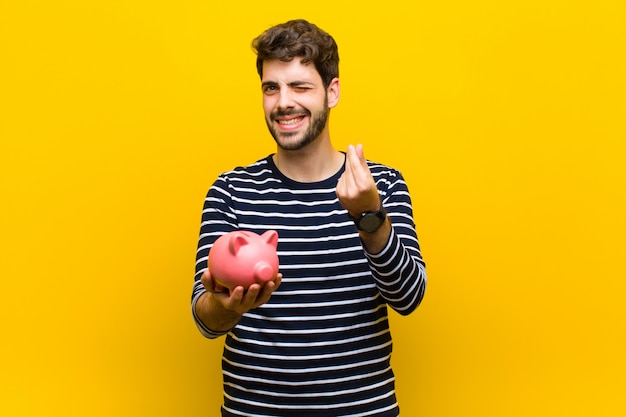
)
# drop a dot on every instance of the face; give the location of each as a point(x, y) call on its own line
point(295, 102)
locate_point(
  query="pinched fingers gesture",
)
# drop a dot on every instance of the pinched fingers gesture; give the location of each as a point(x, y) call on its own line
point(356, 189)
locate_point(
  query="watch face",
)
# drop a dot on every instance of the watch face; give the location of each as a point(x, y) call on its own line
point(370, 222)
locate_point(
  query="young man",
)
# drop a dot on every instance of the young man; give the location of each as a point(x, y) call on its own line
point(315, 341)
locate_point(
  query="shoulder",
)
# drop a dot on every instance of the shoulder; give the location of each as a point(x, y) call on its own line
point(383, 171)
point(257, 172)
point(389, 180)
point(248, 181)
point(260, 167)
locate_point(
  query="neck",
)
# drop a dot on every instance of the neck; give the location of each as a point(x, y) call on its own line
point(316, 162)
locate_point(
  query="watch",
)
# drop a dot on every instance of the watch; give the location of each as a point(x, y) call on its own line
point(370, 221)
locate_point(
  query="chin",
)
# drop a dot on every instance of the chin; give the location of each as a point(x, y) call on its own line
point(294, 144)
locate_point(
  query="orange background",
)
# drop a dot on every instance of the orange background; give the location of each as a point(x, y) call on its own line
point(506, 118)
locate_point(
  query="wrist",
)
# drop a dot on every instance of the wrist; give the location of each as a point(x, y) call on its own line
point(375, 242)
point(214, 315)
point(369, 221)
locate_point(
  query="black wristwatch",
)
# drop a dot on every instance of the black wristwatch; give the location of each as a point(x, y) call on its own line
point(370, 221)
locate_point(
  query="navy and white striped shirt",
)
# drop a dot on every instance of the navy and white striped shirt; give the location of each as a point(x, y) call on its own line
point(321, 346)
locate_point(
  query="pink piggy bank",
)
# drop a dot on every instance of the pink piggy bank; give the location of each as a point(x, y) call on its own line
point(244, 258)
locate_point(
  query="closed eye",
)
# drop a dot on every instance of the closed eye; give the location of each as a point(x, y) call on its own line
point(301, 85)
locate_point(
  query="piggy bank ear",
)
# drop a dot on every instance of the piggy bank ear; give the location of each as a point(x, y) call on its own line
point(236, 242)
point(270, 237)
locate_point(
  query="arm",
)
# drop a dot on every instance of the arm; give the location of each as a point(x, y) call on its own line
point(393, 250)
point(399, 271)
point(215, 310)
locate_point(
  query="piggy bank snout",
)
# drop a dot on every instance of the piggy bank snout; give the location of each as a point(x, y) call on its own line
point(263, 271)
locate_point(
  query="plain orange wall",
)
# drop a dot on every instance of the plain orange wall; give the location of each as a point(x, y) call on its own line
point(506, 118)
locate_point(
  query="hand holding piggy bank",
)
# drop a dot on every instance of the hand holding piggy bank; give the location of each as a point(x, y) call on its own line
point(242, 258)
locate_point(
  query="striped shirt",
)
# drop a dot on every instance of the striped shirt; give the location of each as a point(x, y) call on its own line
point(321, 346)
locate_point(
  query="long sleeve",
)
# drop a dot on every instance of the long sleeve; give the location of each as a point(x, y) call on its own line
point(399, 269)
point(217, 220)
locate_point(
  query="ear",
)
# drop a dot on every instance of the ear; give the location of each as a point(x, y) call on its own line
point(236, 242)
point(333, 92)
point(270, 237)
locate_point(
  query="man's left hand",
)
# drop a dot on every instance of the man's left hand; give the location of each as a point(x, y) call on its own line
point(356, 188)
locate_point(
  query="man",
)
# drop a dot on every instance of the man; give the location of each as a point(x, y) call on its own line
point(314, 341)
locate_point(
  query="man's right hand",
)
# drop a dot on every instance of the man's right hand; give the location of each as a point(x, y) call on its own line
point(239, 300)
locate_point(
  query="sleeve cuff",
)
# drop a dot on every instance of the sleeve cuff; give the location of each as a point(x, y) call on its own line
point(204, 330)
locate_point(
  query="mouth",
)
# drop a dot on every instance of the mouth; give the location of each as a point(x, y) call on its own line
point(290, 122)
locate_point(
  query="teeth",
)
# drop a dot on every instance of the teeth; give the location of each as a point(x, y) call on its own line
point(290, 121)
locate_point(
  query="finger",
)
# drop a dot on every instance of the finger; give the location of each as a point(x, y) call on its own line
point(206, 280)
point(349, 153)
point(341, 187)
point(265, 292)
point(278, 280)
point(360, 174)
point(250, 296)
point(210, 284)
point(353, 166)
point(359, 152)
point(359, 161)
point(233, 300)
point(347, 172)
point(268, 289)
point(206, 275)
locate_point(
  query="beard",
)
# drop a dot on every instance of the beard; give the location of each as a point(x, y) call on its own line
point(316, 126)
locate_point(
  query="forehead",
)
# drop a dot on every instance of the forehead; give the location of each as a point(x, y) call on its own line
point(280, 71)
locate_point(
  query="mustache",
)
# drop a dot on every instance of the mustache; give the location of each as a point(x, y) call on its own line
point(290, 112)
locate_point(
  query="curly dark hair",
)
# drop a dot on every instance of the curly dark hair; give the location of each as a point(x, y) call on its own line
point(299, 38)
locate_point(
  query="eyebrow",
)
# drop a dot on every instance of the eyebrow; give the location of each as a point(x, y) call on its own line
point(291, 84)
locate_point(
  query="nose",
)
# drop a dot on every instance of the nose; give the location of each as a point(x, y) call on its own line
point(285, 99)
